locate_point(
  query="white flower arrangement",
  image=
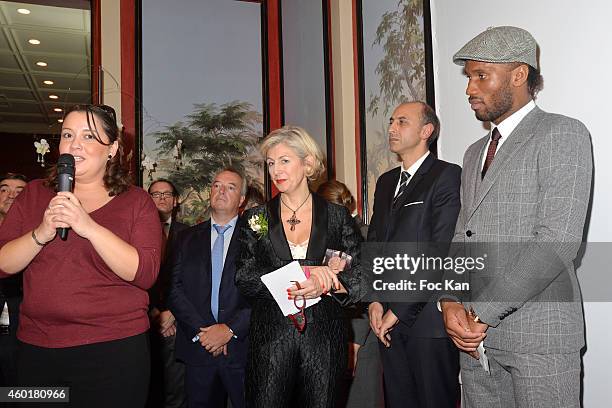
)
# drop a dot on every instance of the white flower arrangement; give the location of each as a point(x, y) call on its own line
point(42, 148)
point(259, 224)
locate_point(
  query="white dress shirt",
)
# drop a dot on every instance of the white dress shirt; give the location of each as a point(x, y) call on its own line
point(506, 127)
point(411, 170)
point(227, 236)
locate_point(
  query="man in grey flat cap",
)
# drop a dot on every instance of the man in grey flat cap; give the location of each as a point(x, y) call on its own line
point(524, 193)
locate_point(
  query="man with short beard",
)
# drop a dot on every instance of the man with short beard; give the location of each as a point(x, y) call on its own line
point(525, 192)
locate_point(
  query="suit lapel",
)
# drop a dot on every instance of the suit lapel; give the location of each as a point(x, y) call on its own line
point(519, 136)
point(390, 193)
point(317, 243)
point(173, 232)
point(473, 170)
point(386, 199)
point(201, 247)
point(227, 278)
point(414, 181)
point(275, 230)
point(408, 195)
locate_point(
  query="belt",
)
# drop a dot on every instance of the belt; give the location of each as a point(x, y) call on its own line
point(4, 330)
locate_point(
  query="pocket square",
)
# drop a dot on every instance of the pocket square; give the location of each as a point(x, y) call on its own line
point(413, 203)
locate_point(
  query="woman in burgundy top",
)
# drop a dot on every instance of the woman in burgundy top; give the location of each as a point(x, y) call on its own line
point(84, 314)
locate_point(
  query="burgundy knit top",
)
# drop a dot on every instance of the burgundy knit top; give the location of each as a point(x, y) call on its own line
point(71, 297)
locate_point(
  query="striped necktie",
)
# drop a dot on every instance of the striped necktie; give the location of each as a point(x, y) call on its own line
point(404, 180)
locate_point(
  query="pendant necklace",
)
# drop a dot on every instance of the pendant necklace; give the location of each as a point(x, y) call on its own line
point(293, 221)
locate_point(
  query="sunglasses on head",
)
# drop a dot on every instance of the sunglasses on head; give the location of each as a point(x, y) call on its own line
point(104, 108)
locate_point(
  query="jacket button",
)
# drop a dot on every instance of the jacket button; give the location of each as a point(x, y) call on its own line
point(468, 233)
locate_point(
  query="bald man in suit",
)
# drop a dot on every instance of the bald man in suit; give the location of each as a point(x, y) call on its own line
point(417, 202)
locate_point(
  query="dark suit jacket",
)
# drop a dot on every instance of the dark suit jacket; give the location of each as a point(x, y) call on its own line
point(432, 221)
point(158, 294)
point(190, 297)
point(332, 227)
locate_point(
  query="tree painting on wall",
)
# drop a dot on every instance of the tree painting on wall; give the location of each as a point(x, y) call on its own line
point(202, 106)
point(394, 71)
point(213, 137)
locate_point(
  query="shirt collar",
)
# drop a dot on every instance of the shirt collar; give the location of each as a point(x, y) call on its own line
point(507, 126)
point(231, 223)
point(415, 166)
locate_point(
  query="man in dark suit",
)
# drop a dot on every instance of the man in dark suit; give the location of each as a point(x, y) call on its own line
point(213, 317)
point(10, 290)
point(417, 203)
point(167, 374)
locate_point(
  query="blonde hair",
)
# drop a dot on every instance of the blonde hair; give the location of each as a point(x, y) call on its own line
point(301, 143)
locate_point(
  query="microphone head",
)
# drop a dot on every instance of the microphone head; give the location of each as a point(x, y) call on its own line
point(65, 164)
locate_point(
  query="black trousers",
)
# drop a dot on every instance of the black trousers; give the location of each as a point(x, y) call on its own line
point(108, 374)
point(289, 369)
point(210, 386)
point(420, 372)
point(167, 387)
point(8, 357)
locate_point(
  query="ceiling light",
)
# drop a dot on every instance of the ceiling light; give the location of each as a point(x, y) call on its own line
point(41, 64)
point(57, 109)
point(60, 120)
point(47, 82)
point(23, 11)
point(53, 97)
point(34, 41)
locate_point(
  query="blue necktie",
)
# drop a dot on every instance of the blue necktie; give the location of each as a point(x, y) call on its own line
point(217, 268)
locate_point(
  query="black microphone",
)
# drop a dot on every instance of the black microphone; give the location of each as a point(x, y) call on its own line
point(65, 182)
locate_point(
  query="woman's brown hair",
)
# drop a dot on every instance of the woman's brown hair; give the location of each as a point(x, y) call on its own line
point(337, 193)
point(116, 176)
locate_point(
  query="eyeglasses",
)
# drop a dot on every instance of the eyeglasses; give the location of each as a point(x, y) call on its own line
point(165, 194)
point(299, 319)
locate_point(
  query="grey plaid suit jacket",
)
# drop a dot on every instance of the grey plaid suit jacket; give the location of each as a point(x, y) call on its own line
point(530, 211)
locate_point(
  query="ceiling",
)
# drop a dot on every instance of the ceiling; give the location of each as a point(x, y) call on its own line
point(65, 45)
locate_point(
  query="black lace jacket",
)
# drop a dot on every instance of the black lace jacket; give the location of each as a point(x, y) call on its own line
point(332, 228)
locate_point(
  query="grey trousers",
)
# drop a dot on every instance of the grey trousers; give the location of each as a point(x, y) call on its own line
point(366, 389)
point(521, 380)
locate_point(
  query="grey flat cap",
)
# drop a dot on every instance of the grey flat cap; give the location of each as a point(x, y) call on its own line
point(501, 45)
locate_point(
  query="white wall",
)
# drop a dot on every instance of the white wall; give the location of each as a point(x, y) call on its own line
point(576, 57)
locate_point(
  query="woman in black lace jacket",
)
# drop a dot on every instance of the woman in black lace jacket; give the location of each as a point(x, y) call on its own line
point(287, 367)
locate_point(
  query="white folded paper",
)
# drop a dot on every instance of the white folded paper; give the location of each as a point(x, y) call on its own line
point(484, 360)
point(279, 281)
